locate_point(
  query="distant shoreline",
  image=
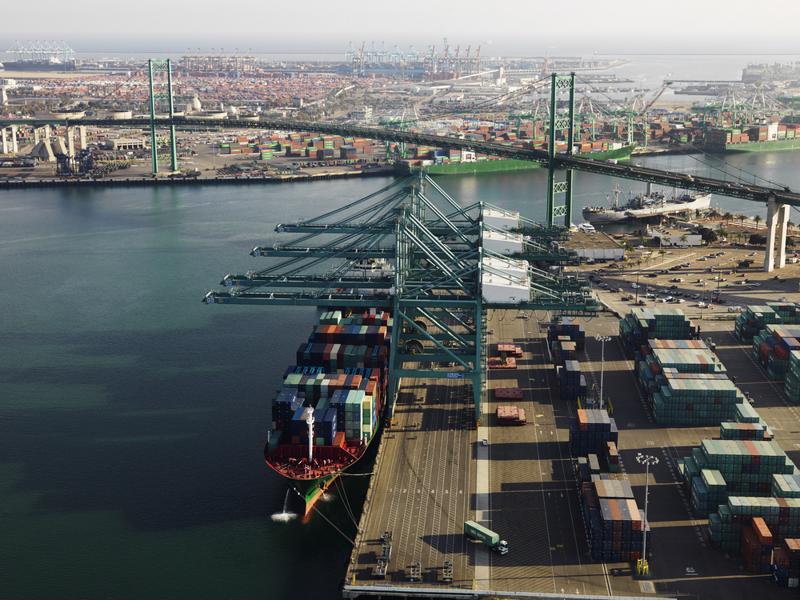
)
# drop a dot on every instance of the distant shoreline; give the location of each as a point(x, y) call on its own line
point(168, 181)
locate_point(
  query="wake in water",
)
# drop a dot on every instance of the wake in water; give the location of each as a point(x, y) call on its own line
point(284, 516)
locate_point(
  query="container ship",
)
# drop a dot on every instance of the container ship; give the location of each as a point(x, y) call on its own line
point(330, 404)
point(755, 138)
point(38, 65)
point(644, 206)
point(460, 167)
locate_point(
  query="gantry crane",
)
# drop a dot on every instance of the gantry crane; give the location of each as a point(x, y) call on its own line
point(413, 249)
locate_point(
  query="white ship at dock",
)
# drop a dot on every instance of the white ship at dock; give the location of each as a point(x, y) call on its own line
point(644, 206)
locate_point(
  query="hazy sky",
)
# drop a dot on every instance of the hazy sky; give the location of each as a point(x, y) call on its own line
point(509, 27)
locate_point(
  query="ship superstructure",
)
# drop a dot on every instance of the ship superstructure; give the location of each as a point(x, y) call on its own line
point(645, 206)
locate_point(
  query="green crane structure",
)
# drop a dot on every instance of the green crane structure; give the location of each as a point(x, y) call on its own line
point(565, 123)
point(413, 249)
point(153, 67)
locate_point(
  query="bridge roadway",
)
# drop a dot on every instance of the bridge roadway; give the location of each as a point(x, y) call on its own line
point(522, 485)
point(666, 178)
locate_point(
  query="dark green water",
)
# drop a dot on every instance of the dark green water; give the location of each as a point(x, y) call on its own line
point(132, 417)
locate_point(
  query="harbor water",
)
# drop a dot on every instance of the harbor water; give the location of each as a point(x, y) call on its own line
point(132, 416)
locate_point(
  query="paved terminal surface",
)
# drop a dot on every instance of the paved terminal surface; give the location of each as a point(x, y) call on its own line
point(422, 488)
point(433, 473)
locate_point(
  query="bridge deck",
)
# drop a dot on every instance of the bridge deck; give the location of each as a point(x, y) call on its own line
point(734, 189)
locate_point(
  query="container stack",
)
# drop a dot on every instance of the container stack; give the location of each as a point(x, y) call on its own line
point(708, 492)
point(657, 360)
point(508, 394)
point(506, 349)
point(694, 399)
point(612, 457)
point(791, 384)
point(753, 319)
point(322, 385)
point(590, 431)
point(745, 431)
point(567, 327)
point(340, 356)
point(772, 347)
point(372, 335)
point(358, 412)
point(757, 545)
point(642, 352)
point(745, 413)
point(781, 515)
point(786, 486)
point(324, 427)
point(572, 384)
point(613, 520)
point(284, 406)
point(563, 350)
point(786, 563)
point(331, 317)
point(643, 324)
point(747, 466)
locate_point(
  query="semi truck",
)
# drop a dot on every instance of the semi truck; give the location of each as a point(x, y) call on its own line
point(476, 531)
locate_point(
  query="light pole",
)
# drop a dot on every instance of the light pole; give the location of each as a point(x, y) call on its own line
point(642, 568)
point(602, 339)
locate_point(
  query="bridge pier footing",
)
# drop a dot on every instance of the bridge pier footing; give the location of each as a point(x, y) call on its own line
point(14, 146)
point(777, 224)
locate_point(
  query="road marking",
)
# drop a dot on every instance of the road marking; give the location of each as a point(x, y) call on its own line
point(482, 507)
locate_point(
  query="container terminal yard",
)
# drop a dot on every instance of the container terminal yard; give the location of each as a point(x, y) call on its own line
point(507, 464)
point(448, 90)
point(470, 335)
point(543, 432)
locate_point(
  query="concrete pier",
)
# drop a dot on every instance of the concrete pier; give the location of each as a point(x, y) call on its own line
point(777, 224)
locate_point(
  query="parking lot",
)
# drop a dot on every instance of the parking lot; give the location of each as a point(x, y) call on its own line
point(703, 281)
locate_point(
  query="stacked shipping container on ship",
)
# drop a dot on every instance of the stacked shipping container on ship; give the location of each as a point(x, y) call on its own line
point(643, 324)
point(772, 347)
point(340, 379)
point(753, 319)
